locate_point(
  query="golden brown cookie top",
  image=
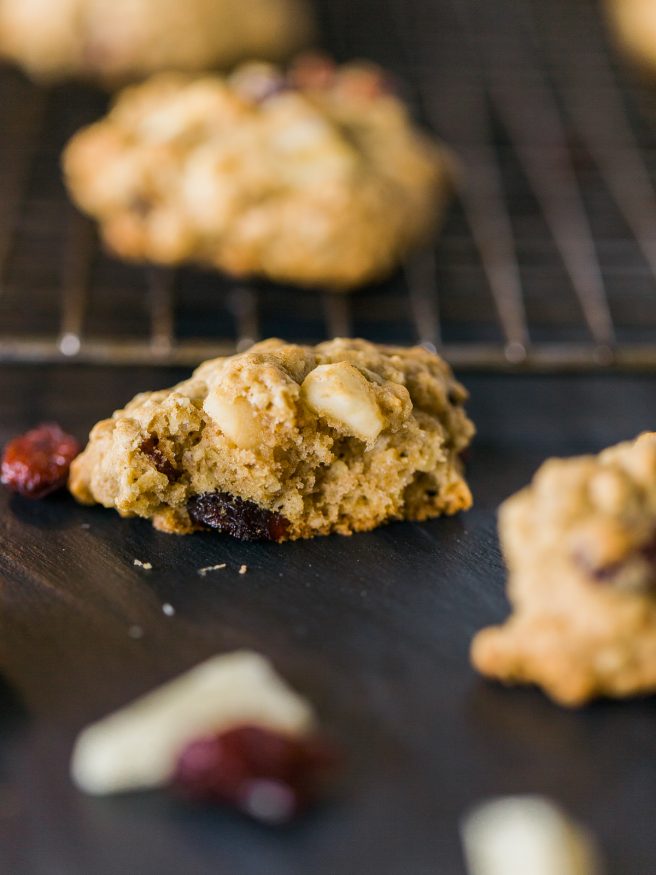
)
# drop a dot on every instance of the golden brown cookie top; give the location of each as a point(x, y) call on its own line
point(598, 510)
point(316, 176)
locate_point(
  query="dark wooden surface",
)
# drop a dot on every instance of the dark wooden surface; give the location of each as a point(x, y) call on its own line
point(374, 629)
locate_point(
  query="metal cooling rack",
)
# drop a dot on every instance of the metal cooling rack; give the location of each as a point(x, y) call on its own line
point(547, 260)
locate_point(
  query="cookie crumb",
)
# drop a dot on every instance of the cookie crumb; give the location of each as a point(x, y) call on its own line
point(168, 609)
point(243, 569)
point(204, 571)
point(135, 632)
point(147, 566)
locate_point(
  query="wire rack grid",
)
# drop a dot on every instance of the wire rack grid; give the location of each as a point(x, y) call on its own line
point(547, 260)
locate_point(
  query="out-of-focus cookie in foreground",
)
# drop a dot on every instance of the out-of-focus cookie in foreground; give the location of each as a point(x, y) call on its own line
point(285, 442)
point(119, 40)
point(580, 544)
point(315, 177)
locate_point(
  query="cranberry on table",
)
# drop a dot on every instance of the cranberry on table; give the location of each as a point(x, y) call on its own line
point(267, 775)
point(36, 463)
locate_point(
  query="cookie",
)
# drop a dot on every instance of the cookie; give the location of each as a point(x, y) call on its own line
point(315, 177)
point(286, 442)
point(634, 26)
point(580, 544)
point(120, 40)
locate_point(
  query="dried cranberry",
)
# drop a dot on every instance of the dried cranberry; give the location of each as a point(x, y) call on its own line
point(313, 71)
point(150, 448)
point(365, 83)
point(612, 571)
point(455, 397)
point(604, 573)
point(262, 773)
point(37, 462)
point(141, 206)
point(648, 551)
point(237, 517)
point(259, 85)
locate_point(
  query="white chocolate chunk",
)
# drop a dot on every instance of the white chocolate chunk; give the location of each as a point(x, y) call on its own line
point(341, 394)
point(235, 417)
point(526, 834)
point(138, 746)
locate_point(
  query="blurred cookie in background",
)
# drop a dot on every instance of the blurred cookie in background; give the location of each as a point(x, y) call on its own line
point(120, 40)
point(634, 26)
point(314, 177)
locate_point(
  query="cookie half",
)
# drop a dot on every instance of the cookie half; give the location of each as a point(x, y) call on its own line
point(316, 177)
point(580, 544)
point(286, 442)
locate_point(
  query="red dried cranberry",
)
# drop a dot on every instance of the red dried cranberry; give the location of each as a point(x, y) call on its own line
point(313, 71)
point(365, 83)
point(455, 397)
point(465, 455)
point(141, 206)
point(150, 448)
point(648, 551)
point(265, 774)
point(259, 85)
point(612, 571)
point(36, 463)
point(238, 517)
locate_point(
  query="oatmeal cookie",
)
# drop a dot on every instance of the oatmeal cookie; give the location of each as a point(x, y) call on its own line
point(286, 442)
point(120, 40)
point(315, 177)
point(634, 26)
point(580, 543)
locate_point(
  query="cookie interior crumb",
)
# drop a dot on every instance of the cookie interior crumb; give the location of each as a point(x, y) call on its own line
point(208, 568)
point(147, 566)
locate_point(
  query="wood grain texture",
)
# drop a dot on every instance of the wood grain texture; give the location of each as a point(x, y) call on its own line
point(374, 629)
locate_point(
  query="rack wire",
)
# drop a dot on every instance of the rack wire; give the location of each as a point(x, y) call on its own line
point(548, 256)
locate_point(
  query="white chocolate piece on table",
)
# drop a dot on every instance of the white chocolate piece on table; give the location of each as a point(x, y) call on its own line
point(526, 835)
point(137, 747)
